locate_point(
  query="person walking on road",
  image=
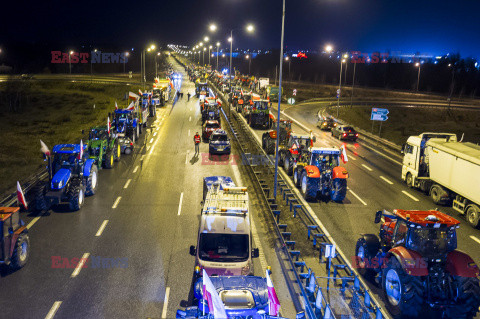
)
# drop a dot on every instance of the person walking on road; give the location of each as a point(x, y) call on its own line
point(188, 96)
point(196, 140)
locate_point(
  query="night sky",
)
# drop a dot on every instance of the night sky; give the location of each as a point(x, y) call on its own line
point(431, 27)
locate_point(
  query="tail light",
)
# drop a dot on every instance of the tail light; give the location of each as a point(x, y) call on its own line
point(131, 143)
point(356, 135)
point(344, 134)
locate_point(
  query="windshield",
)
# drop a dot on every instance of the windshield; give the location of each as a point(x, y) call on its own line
point(432, 242)
point(223, 247)
point(219, 137)
point(302, 142)
point(63, 161)
point(327, 160)
point(98, 134)
point(261, 105)
point(213, 125)
point(348, 129)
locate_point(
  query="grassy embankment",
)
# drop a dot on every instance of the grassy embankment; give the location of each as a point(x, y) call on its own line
point(55, 112)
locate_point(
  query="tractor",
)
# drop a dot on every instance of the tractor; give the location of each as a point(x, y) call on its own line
point(269, 138)
point(292, 150)
point(260, 114)
point(103, 147)
point(201, 88)
point(15, 242)
point(70, 178)
point(211, 109)
point(416, 261)
point(317, 172)
point(125, 123)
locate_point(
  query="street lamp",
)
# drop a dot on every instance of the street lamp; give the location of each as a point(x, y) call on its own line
point(345, 57)
point(249, 62)
point(70, 61)
point(203, 56)
point(209, 48)
point(124, 59)
point(419, 66)
point(289, 62)
point(213, 27)
point(91, 67)
point(142, 64)
point(206, 39)
point(218, 44)
point(328, 48)
point(340, 85)
point(156, 66)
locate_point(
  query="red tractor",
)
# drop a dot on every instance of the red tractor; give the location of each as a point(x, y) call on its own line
point(269, 139)
point(15, 244)
point(416, 260)
point(292, 150)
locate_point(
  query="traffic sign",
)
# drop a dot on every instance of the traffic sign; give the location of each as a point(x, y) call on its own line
point(291, 101)
point(338, 93)
point(379, 114)
point(294, 92)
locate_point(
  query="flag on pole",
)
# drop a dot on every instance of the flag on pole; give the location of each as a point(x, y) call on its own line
point(131, 106)
point(21, 196)
point(215, 304)
point(273, 303)
point(116, 105)
point(80, 155)
point(140, 91)
point(44, 148)
point(343, 154)
point(108, 125)
point(311, 139)
point(133, 96)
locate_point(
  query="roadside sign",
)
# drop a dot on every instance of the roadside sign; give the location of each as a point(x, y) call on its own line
point(294, 92)
point(338, 93)
point(130, 74)
point(291, 101)
point(379, 114)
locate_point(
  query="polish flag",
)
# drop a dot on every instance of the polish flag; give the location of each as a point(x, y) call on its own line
point(343, 154)
point(273, 303)
point(215, 304)
point(131, 106)
point(44, 148)
point(140, 91)
point(108, 124)
point(311, 139)
point(80, 155)
point(133, 96)
point(116, 105)
point(21, 196)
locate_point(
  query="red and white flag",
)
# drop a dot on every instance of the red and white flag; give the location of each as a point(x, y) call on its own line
point(116, 105)
point(21, 196)
point(343, 154)
point(44, 148)
point(131, 106)
point(215, 304)
point(80, 155)
point(311, 139)
point(133, 96)
point(273, 303)
point(140, 91)
point(108, 125)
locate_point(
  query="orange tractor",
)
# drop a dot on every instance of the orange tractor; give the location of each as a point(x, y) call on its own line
point(269, 138)
point(415, 258)
point(14, 239)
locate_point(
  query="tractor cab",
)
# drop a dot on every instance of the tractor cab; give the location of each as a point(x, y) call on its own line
point(298, 144)
point(98, 133)
point(15, 244)
point(65, 156)
point(261, 105)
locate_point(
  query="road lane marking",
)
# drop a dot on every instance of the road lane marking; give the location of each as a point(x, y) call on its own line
point(351, 157)
point(190, 119)
point(188, 132)
point(186, 158)
point(411, 196)
point(151, 140)
point(180, 204)
point(358, 197)
point(80, 265)
point(165, 302)
point(30, 224)
point(368, 168)
point(386, 180)
point(102, 227)
point(154, 133)
point(116, 202)
point(136, 169)
point(148, 147)
point(151, 151)
point(475, 238)
point(127, 183)
point(51, 313)
point(380, 153)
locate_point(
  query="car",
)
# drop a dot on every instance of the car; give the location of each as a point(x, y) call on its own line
point(208, 128)
point(326, 123)
point(26, 76)
point(126, 145)
point(219, 143)
point(344, 132)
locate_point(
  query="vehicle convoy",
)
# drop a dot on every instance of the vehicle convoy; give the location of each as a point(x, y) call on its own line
point(344, 133)
point(72, 176)
point(269, 139)
point(208, 128)
point(415, 258)
point(317, 172)
point(242, 296)
point(201, 87)
point(15, 248)
point(260, 114)
point(326, 123)
point(219, 143)
point(211, 109)
point(446, 169)
point(125, 123)
point(103, 147)
point(297, 146)
point(224, 245)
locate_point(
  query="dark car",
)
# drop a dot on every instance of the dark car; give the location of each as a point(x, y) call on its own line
point(219, 143)
point(208, 128)
point(343, 132)
point(326, 123)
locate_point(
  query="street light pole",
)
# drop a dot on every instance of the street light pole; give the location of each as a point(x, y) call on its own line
point(353, 82)
point(279, 103)
point(209, 47)
point(339, 86)
point(70, 61)
point(418, 77)
point(230, 68)
point(218, 44)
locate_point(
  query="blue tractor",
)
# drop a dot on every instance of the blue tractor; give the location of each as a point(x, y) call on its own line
point(70, 178)
point(125, 124)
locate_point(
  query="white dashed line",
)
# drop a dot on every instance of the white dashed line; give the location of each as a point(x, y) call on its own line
point(53, 310)
point(148, 147)
point(116, 202)
point(411, 196)
point(102, 227)
point(386, 180)
point(127, 183)
point(180, 204)
point(368, 168)
point(190, 119)
point(475, 238)
point(188, 132)
point(151, 140)
point(351, 157)
point(186, 158)
point(358, 197)
point(80, 265)
point(151, 151)
point(30, 224)
point(136, 169)
point(154, 133)
point(165, 302)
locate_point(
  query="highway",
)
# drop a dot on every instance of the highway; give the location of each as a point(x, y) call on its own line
point(135, 232)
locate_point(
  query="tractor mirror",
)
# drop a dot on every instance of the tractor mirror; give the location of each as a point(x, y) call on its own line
point(378, 216)
point(83, 132)
point(193, 251)
point(314, 139)
point(255, 253)
point(403, 149)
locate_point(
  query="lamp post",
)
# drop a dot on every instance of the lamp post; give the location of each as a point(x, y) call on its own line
point(91, 67)
point(209, 48)
point(144, 76)
point(419, 66)
point(156, 67)
point(218, 44)
point(340, 85)
point(203, 56)
point(70, 61)
point(124, 60)
point(289, 62)
point(345, 57)
point(249, 62)
point(353, 82)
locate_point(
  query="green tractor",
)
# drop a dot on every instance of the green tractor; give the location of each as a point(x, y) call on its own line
point(103, 146)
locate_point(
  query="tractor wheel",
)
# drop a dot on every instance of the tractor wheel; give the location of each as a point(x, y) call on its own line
point(20, 252)
point(467, 299)
point(403, 293)
point(339, 189)
point(128, 151)
point(76, 196)
point(309, 187)
point(270, 146)
point(118, 152)
point(473, 216)
point(364, 253)
point(409, 180)
point(288, 165)
point(264, 142)
point(41, 203)
point(296, 176)
point(91, 181)
point(108, 163)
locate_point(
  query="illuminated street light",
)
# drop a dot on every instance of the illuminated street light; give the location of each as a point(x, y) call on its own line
point(206, 39)
point(419, 66)
point(209, 48)
point(328, 48)
point(345, 56)
point(70, 62)
point(152, 47)
point(230, 39)
point(249, 62)
point(126, 55)
point(213, 27)
point(250, 28)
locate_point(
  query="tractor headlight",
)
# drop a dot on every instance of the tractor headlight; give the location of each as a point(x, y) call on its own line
point(60, 185)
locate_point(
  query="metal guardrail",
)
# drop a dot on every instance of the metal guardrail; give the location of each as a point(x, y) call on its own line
point(353, 289)
point(10, 198)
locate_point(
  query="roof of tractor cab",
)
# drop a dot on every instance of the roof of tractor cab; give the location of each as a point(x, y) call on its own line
point(67, 148)
point(426, 218)
point(6, 212)
point(325, 150)
point(212, 122)
point(123, 111)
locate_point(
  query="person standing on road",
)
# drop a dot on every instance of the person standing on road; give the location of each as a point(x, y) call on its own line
point(197, 140)
point(188, 96)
